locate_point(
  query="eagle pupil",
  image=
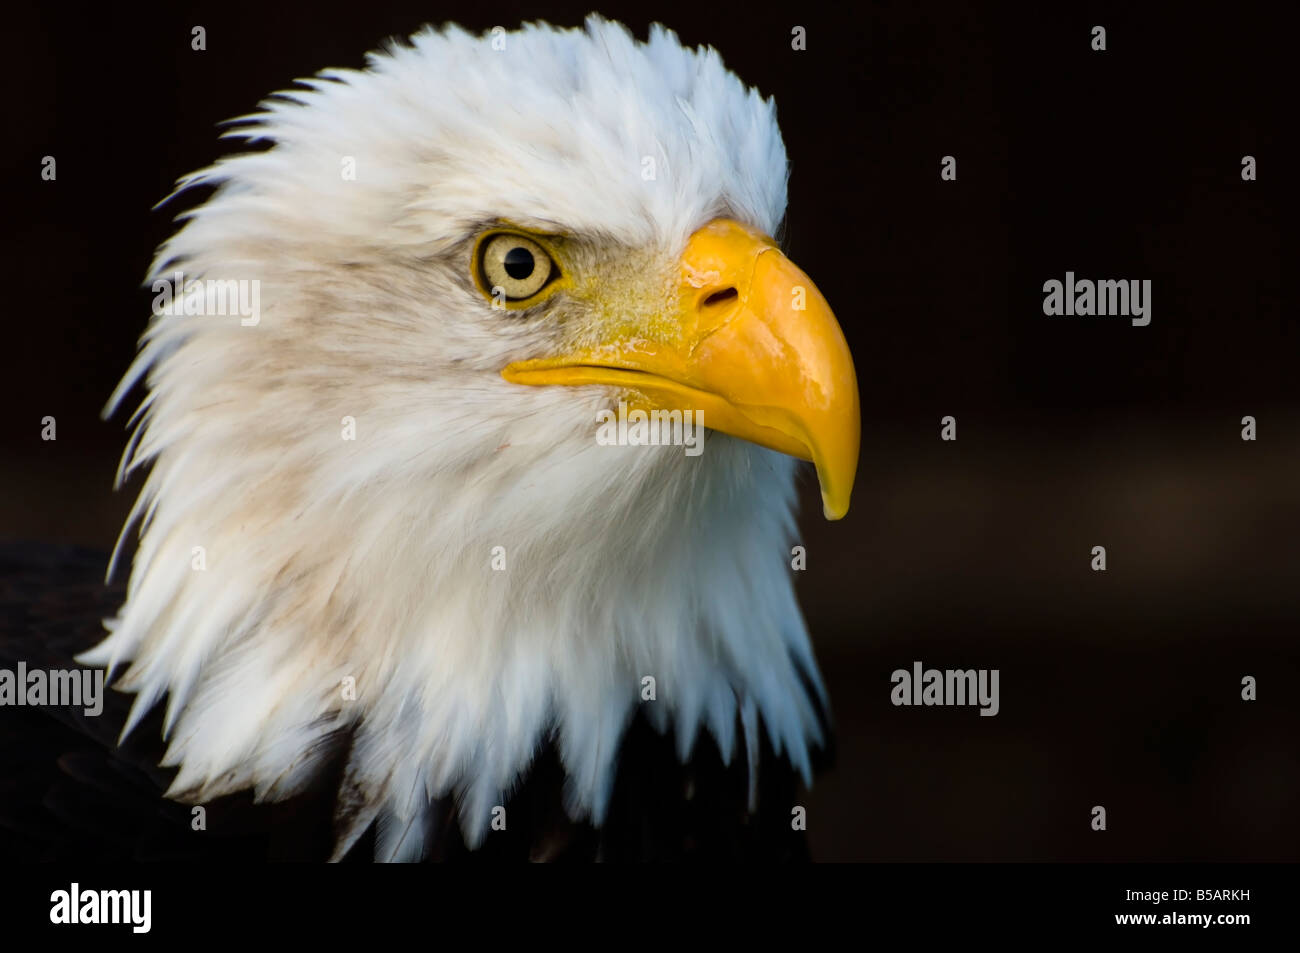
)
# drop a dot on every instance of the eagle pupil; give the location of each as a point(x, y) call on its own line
point(519, 263)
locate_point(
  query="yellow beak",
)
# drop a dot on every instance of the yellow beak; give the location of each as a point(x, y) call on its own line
point(753, 345)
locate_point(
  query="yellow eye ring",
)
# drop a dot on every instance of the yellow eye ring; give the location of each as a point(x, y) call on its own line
point(511, 268)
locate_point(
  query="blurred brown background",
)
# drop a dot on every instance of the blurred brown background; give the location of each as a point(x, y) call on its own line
point(1120, 688)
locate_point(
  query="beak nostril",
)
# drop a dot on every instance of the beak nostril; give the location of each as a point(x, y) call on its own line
point(720, 297)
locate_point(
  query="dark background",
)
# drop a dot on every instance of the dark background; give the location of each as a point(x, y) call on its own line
point(1120, 688)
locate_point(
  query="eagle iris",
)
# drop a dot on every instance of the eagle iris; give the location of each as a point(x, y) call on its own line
point(514, 266)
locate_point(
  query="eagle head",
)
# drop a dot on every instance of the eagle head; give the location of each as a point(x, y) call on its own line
point(380, 507)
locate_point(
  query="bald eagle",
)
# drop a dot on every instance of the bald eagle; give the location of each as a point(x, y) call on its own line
point(383, 558)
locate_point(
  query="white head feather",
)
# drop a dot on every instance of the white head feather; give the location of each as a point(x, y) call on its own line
point(372, 558)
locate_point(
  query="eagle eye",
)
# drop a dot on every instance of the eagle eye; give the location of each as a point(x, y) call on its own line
point(514, 267)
